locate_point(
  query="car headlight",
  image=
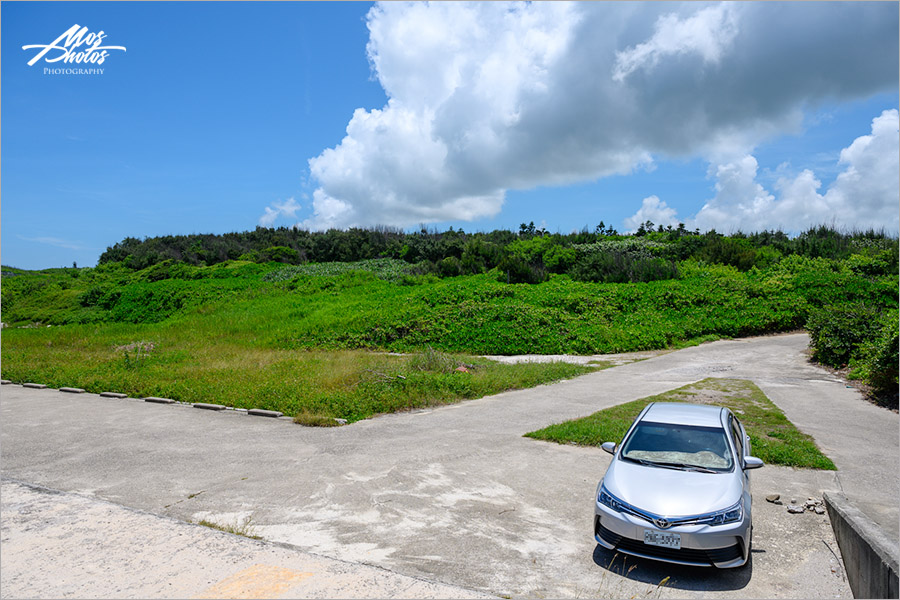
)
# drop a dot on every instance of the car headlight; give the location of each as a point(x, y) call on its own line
point(732, 514)
point(608, 500)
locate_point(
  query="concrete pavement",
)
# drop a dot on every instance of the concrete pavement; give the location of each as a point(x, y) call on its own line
point(455, 494)
point(62, 545)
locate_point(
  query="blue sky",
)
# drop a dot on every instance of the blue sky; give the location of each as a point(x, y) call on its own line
point(222, 116)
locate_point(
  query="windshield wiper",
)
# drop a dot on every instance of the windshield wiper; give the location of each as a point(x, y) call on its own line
point(653, 463)
point(688, 467)
point(670, 465)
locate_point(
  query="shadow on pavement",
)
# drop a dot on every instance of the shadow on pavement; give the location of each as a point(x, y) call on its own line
point(679, 576)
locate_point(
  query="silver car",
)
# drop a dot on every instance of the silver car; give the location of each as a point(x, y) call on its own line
point(678, 489)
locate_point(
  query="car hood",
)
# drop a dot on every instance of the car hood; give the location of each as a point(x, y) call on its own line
point(670, 492)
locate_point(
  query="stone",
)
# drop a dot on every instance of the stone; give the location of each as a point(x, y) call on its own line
point(820, 510)
point(113, 395)
point(5, 381)
point(71, 390)
point(341, 421)
point(773, 498)
point(795, 509)
point(36, 386)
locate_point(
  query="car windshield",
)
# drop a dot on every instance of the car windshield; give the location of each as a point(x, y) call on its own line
point(680, 446)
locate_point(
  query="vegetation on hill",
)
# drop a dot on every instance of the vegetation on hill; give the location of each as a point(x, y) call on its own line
point(589, 292)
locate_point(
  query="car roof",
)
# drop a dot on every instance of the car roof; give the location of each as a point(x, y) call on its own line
point(681, 413)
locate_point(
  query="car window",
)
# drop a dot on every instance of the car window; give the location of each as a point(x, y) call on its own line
point(705, 447)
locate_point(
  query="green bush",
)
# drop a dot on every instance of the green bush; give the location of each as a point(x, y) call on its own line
point(836, 332)
point(450, 267)
point(878, 358)
point(516, 269)
point(622, 267)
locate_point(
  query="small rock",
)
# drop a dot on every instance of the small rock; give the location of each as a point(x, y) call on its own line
point(793, 501)
point(773, 498)
point(795, 509)
point(341, 421)
point(820, 510)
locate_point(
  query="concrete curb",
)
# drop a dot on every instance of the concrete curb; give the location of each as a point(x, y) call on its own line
point(256, 412)
point(206, 406)
point(870, 556)
point(156, 400)
point(259, 412)
point(5, 381)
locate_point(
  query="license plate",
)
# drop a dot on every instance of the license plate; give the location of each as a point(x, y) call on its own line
point(659, 538)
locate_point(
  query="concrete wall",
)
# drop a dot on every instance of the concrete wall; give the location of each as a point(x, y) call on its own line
point(870, 556)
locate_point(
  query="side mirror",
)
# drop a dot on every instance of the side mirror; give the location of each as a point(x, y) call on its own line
point(611, 447)
point(751, 462)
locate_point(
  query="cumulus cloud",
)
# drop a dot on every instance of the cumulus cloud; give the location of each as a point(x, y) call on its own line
point(487, 97)
point(655, 210)
point(864, 194)
point(706, 33)
point(287, 209)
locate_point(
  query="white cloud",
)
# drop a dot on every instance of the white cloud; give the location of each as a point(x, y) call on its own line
point(864, 194)
point(487, 97)
point(287, 209)
point(655, 210)
point(54, 241)
point(740, 202)
point(706, 33)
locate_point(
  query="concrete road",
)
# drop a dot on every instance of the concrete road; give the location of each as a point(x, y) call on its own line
point(456, 494)
point(62, 545)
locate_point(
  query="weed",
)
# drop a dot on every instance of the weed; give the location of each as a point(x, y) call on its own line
point(244, 528)
point(135, 354)
point(304, 417)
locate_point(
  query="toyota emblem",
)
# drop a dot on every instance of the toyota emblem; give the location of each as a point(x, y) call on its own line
point(662, 523)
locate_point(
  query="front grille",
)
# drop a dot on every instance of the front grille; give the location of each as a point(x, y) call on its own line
point(702, 557)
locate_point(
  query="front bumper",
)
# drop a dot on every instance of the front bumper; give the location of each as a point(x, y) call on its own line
point(722, 546)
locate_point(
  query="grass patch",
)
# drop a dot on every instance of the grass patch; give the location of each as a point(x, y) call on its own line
point(205, 364)
point(773, 437)
point(244, 528)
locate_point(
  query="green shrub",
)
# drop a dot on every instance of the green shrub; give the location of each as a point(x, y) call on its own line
point(836, 332)
point(622, 267)
point(281, 254)
point(450, 267)
point(516, 269)
point(878, 357)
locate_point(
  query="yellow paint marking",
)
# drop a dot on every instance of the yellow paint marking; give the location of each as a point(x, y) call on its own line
point(258, 581)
